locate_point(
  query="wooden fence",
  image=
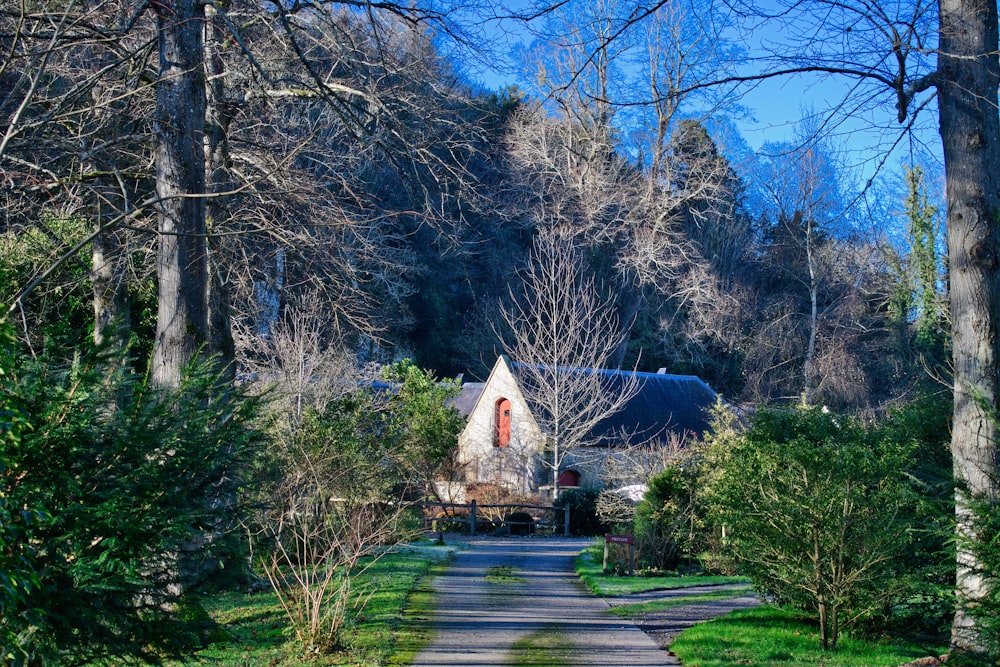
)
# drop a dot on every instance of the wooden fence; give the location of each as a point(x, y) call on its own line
point(469, 514)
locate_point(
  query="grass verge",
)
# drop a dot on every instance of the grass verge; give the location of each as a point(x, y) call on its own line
point(414, 631)
point(769, 636)
point(588, 567)
point(253, 630)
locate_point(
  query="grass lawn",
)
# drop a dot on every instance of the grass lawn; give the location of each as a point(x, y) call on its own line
point(254, 630)
point(770, 636)
point(760, 636)
point(588, 566)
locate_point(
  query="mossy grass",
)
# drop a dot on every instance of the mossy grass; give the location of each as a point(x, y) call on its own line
point(767, 635)
point(548, 647)
point(588, 567)
point(504, 574)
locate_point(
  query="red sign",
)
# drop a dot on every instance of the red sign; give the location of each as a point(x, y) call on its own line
point(619, 539)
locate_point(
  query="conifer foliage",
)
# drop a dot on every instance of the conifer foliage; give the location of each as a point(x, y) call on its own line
point(133, 494)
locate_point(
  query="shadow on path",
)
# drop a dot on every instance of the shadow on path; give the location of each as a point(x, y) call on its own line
point(502, 590)
point(664, 626)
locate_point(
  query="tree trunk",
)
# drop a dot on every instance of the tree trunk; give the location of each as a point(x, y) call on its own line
point(970, 133)
point(817, 560)
point(111, 303)
point(218, 183)
point(112, 325)
point(809, 379)
point(182, 328)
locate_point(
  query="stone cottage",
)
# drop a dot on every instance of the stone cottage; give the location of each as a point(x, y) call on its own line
point(502, 443)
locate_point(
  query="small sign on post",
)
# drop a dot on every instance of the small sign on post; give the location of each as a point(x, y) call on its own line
point(620, 539)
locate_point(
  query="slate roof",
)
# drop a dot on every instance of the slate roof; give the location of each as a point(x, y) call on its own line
point(662, 402)
point(467, 397)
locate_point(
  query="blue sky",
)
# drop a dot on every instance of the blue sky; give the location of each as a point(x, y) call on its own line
point(777, 106)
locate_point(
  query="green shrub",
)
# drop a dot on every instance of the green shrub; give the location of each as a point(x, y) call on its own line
point(18, 566)
point(583, 519)
point(815, 506)
point(986, 548)
point(137, 504)
point(926, 567)
point(662, 520)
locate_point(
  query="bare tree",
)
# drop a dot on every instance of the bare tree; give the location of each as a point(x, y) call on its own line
point(302, 363)
point(323, 517)
point(329, 516)
point(802, 188)
point(309, 127)
point(562, 331)
point(667, 219)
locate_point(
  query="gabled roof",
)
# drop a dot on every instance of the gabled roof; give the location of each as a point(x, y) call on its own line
point(662, 403)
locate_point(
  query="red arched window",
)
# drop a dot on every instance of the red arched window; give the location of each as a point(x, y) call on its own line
point(501, 432)
point(569, 478)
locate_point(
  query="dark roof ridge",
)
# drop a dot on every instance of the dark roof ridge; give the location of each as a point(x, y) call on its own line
point(614, 371)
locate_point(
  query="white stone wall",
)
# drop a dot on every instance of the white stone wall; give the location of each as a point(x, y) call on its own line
point(512, 466)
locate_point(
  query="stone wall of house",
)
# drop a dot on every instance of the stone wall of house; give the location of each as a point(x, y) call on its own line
point(615, 467)
point(519, 467)
point(514, 466)
point(590, 463)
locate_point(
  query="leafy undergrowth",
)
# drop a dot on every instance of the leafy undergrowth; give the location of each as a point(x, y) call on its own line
point(777, 637)
point(253, 630)
point(588, 567)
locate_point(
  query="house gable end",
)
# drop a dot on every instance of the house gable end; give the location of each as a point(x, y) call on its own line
point(477, 438)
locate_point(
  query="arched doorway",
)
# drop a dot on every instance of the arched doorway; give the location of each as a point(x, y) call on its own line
point(569, 478)
point(501, 433)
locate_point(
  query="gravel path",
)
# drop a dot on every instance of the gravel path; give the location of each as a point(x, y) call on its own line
point(502, 590)
point(664, 626)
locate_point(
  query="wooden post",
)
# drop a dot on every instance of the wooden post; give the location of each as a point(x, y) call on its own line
point(566, 520)
point(620, 539)
point(472, 517)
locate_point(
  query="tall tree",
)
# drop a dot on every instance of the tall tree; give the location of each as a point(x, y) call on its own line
point(805, 201)
point(304, 130)
point(182, 329)
point(563, 331)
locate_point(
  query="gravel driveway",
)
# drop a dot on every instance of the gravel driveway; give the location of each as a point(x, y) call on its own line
point(505, 591)
point(664, 626)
